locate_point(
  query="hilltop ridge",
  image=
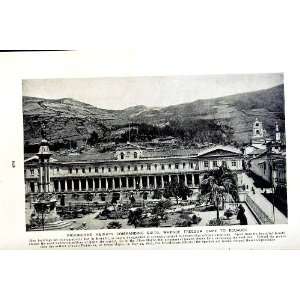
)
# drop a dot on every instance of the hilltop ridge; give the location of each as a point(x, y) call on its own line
point(230, 117)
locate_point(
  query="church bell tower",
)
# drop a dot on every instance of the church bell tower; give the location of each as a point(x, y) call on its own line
point(277, 133)
point(258, 133)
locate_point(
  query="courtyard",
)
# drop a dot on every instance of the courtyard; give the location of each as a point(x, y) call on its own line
point(89, 214)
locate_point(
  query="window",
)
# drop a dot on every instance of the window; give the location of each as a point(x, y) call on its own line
point(83, 170)
point(192, 165)
point(122, 169)
point(96, 169)
point(206, 164)
point(31, 171)
point(90, 169)
point(170, 166)
point(109, 169)
point(70, 170)
point(76, 170)
point(142, 167)
point(135, 168)
point(128, 167)
point(148, 167)
point(215, 163)
point(116, 168)
point(102, 169)
point(257, 131)
point(257, 124)
point(183, 165)
point(176, 166)
point(155, 166)
point(135, 154)
point(233, 163)
point(57, 169)
point(122, 155)
point(162, 167)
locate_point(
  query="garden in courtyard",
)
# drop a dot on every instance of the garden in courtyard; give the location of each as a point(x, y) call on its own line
point(215, 203)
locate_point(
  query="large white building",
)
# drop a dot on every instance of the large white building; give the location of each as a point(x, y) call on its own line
point(131, 168)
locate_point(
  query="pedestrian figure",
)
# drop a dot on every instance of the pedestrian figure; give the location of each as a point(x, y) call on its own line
point(241, 215)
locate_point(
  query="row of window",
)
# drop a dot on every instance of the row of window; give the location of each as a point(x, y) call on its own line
point(142, 167)
point(149, 167)
point(122, 155)
point(135, 168)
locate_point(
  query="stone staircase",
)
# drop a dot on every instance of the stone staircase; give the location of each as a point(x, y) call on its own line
point(54, 226)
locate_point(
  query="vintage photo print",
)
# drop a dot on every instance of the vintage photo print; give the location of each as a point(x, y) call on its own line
point(146, 152)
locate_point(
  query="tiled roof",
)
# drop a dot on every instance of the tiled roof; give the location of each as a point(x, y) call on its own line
point(85, 157)
point(146, 154)
point(257, 151)
point(170, 153)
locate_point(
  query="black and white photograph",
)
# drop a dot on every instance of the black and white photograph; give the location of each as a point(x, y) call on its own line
point(146, 149)
point(146, 152)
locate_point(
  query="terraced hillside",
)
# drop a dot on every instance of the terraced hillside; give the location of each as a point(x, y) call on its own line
point(230, 117)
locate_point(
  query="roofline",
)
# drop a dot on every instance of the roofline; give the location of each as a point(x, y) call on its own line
point(234, 152)
point(145, 160)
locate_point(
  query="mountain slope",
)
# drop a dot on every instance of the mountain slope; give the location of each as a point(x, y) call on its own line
point(237, 111)
point(71, 120)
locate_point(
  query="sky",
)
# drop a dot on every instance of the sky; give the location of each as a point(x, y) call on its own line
point(123, 92)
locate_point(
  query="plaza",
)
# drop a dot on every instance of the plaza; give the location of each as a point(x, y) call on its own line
point(90, 220)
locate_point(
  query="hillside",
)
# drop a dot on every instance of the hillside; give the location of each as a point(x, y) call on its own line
point(63, 119)
point(236, 111)
point(226, 118)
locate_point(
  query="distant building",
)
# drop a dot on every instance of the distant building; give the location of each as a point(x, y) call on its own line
point(270, 163)
point(261, 165)
point(276, 144)
point(250, 150)
point(270, 166)
point(168, 140)
point(255, 152)
point(261, 160)
point(258, 139)
point(279, 173)
point(260, 142)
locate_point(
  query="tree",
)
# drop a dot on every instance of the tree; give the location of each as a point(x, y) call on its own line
point(216, 183)
point(177, 189)
point(94, 138)
point(161, 206)
point(135, 216)
point(114, 201)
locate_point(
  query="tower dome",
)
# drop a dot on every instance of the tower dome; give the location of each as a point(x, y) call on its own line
point(258, 133)
point(44, 150)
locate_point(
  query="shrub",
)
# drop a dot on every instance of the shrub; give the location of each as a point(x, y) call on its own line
point(114, 225)
point(215, 222)
point(228, 213)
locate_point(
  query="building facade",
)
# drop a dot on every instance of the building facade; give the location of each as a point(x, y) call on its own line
point(131, 168)
point(271, 166)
